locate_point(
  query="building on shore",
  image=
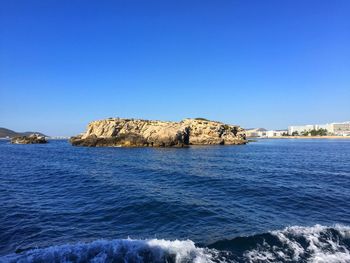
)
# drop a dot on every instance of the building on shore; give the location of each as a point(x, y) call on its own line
point(256, 132)
point(301, 128)
point(276, 133)
point(263, 133)
point(341, 129)
point(335, 128)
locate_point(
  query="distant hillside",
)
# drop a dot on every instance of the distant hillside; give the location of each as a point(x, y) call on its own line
point(6, 132)
point(10, 133)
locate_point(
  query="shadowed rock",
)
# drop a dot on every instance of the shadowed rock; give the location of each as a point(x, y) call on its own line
point(30, 139)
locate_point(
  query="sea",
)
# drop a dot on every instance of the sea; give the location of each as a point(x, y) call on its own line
point(273, 200)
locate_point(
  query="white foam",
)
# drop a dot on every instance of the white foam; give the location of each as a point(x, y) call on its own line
point(153, 250)
point(321, 247)
point(317, 244)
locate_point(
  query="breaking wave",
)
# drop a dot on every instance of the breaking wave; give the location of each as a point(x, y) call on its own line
point(319, 244)
point(119, 250)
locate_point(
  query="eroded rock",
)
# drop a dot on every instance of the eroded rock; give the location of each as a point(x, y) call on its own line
point(30, 139)
point(137, 133)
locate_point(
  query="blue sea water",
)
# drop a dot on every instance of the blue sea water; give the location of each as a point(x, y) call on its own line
point(268, 201)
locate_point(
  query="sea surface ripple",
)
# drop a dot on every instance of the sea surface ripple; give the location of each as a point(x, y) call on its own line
point(268, 201)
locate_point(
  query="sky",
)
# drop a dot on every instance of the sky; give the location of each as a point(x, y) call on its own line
point(256, 63)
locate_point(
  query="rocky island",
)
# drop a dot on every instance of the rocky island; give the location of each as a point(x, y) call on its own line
point(118, 132)
point(30, 139)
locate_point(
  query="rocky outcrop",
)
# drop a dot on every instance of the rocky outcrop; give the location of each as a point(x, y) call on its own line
point(30, 139)
point(203, 132)
point(136, 133)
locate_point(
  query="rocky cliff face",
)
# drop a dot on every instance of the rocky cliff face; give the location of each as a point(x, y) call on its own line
point(31, 139)
point(130, 132)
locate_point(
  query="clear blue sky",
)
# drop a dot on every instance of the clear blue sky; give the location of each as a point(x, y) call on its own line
point(253, 63)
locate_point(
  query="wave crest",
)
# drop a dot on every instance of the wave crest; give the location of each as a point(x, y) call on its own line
point(119, 250)
point(319, 244)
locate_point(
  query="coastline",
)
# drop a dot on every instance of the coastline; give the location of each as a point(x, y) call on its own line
point(303, 137)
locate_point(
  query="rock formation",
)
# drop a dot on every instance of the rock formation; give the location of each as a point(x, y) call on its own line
point(135, 133)
point(30, 139)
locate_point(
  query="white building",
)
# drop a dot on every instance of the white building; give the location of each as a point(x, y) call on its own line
point(257, 132)
point(263, 133)
point(300, 129)
point(276, 133)
point(339, 129)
